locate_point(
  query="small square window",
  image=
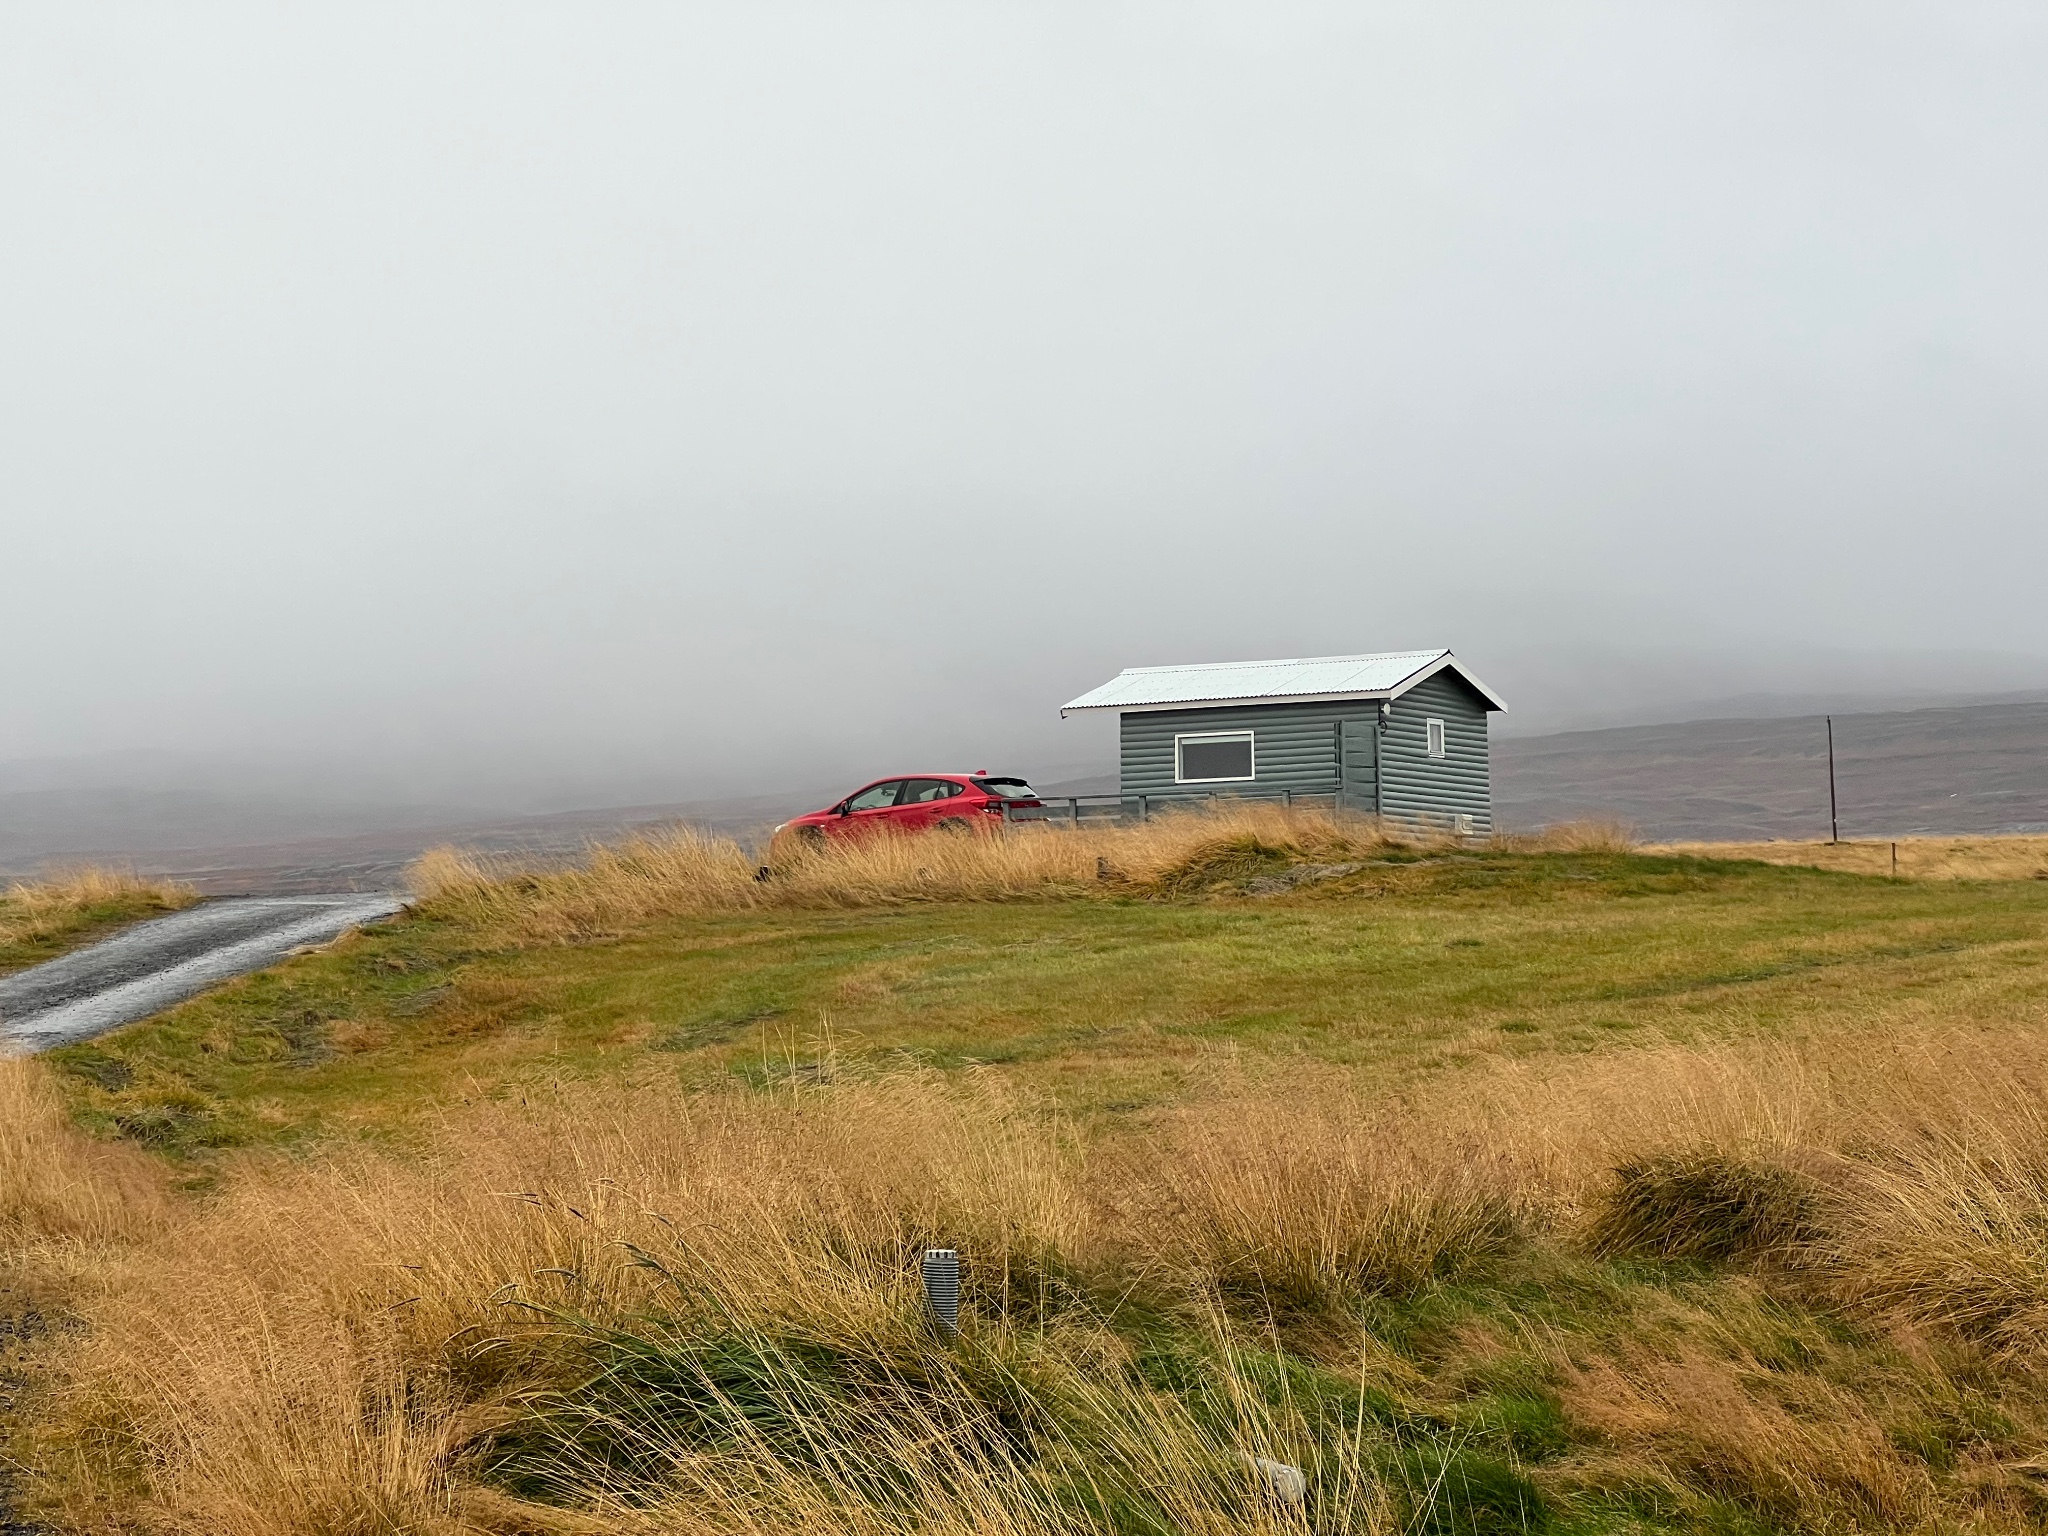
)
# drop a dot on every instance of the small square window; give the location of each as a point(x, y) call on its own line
point(1434, 730)
point(1213, 757)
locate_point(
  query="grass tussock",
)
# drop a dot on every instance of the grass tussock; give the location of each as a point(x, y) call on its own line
point(1704, 1204)
point(657, 1310)
point(38, 917)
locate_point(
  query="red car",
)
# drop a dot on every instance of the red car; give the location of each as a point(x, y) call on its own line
point(946, 802)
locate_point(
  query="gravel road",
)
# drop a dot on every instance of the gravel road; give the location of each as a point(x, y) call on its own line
point(147, 968)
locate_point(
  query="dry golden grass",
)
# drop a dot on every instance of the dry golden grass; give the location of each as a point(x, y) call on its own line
point(1328, 1194)
point(686, 871)
point(58, 1184)
point(1591, 836)
point(1908, 1175)
point(1947, 1228)
point(649, 1304)
point(1919, 858)
point(319, 1348)
point(1803, 1451)
point(645, 1308)
point(31, 912)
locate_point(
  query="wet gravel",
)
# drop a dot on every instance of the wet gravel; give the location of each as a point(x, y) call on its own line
point(147, 968)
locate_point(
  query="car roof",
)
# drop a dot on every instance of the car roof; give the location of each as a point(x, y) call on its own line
point(889, 778)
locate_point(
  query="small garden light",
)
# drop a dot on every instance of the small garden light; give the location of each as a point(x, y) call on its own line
point(941, 1270)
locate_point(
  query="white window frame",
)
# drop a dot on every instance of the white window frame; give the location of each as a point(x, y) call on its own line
point(1250, 738)
point(1436, 741)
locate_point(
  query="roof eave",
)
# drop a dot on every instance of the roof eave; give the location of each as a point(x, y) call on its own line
point(1421, 675)
point(1447, 660)
point(1251, 701)
point(1438, 662)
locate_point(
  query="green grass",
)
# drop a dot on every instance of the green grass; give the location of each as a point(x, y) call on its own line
point(1403, 969)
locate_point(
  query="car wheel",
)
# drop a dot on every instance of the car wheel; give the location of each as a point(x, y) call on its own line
point(956, 826)
point(810, 837)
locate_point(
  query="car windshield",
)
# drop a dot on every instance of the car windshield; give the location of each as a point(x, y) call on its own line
point(1006, 789)
point(875, 796)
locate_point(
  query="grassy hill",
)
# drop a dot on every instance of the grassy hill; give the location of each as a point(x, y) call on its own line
point(1980, 768)
point(1543, 1186)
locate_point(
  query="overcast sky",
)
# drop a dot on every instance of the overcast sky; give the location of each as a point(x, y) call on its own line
point(690, 396)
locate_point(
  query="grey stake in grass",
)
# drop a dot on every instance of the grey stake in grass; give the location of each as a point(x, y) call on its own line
point(941, 1270)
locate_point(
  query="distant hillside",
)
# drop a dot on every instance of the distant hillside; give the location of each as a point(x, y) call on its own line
point(1974, 768)
point(1980, 768)
point(361, 860)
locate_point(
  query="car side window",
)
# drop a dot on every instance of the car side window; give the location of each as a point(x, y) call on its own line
point(924, 791)
point(875, 796)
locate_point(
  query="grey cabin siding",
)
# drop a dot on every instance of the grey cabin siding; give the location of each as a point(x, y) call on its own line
point(1424, 791)
point(1307, 749)
point(1294, 747)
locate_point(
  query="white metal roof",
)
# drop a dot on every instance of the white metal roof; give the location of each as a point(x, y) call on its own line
point(1382, 675)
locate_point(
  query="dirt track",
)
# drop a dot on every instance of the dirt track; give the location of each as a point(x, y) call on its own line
point(147, 968)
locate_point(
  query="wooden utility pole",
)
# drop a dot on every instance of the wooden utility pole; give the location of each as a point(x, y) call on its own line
point(1834, 823)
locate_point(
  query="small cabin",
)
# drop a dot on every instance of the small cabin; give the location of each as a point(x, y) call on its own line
point(1397, 734)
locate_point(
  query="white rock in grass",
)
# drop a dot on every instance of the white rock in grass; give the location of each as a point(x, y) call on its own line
point(1287, 1484)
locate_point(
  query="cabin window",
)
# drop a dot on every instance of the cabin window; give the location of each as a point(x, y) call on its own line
point(1433, 729)
point(1213, 757)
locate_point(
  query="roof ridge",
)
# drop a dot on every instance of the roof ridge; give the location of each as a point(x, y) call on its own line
point(1289, 661)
